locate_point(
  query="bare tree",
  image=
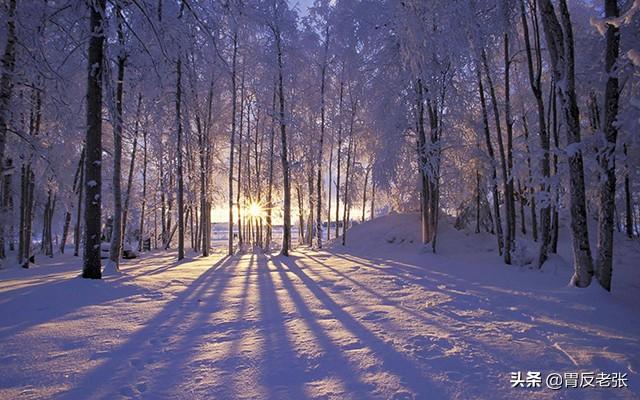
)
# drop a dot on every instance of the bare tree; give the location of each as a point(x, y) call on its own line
point(559, 35)
point(116, 235)
point(604, 260)
point(93, 163)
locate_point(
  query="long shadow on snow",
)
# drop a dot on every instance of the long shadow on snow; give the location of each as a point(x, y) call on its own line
point(70, 296)
point(283, 373)
point(497, 303)
point(333, 362)
point(407, 370)
point(124, 364)
point(194, 330)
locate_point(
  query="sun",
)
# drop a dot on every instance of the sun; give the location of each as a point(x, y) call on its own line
point(255, 210)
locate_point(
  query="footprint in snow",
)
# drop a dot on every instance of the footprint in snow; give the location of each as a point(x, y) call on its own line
point(340, 288)
point(375, 316)
point(428, 347)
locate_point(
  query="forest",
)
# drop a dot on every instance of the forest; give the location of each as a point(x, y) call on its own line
point(319, 198)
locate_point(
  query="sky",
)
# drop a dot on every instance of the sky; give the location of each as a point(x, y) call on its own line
point(303, 5)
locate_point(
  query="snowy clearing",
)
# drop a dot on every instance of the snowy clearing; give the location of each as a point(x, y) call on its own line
point(383, 321)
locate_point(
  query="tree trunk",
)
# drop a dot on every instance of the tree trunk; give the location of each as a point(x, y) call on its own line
point(478, 199)
point(301, 233)
point(373, 197)
point(132, 163)
point(272, 135)
point(80, 192)
point(604, 261)
point(144, 192)
point(422, 165)
point(627, 200)
point(345, 213)
point(240, 133)
point(330, 194)
point(233, 137)
point(93, 162)
point(364, 192)
point(179, 156)
point(77, 183)
point(322, 123)
point(6, 88)
point(561, 51)
point(494, 175)
point(503, 162)
point(509, 124)
point(535, 73)
point(116, 236)
point(286, 235)
point(339, 156)
point(532, 191)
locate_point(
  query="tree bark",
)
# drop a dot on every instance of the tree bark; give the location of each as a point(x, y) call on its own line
point(179, 179)
point(132, 163)
point(321, 144)
point(272, 135)
point(233, 137)
point(350, 151)
point(503, 162)
point(286, 236)
point(93, 163)
point(77, 183)
point(144, 192)
point(561, 51)
point(339, 156)
point(604, 260)
point(6, 88)
point(627, 200)
point(535, 73)
point(494, 175)
point(116, 236)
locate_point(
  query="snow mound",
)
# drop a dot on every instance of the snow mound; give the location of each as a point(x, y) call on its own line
point(395, 231)
point(392, 229)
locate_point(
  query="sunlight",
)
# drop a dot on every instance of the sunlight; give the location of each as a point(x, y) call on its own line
point(255, 210)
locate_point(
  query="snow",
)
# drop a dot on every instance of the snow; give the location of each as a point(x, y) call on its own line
point(381, 318)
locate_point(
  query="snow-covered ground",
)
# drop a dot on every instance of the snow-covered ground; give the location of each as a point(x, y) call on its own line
point(381, 318)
